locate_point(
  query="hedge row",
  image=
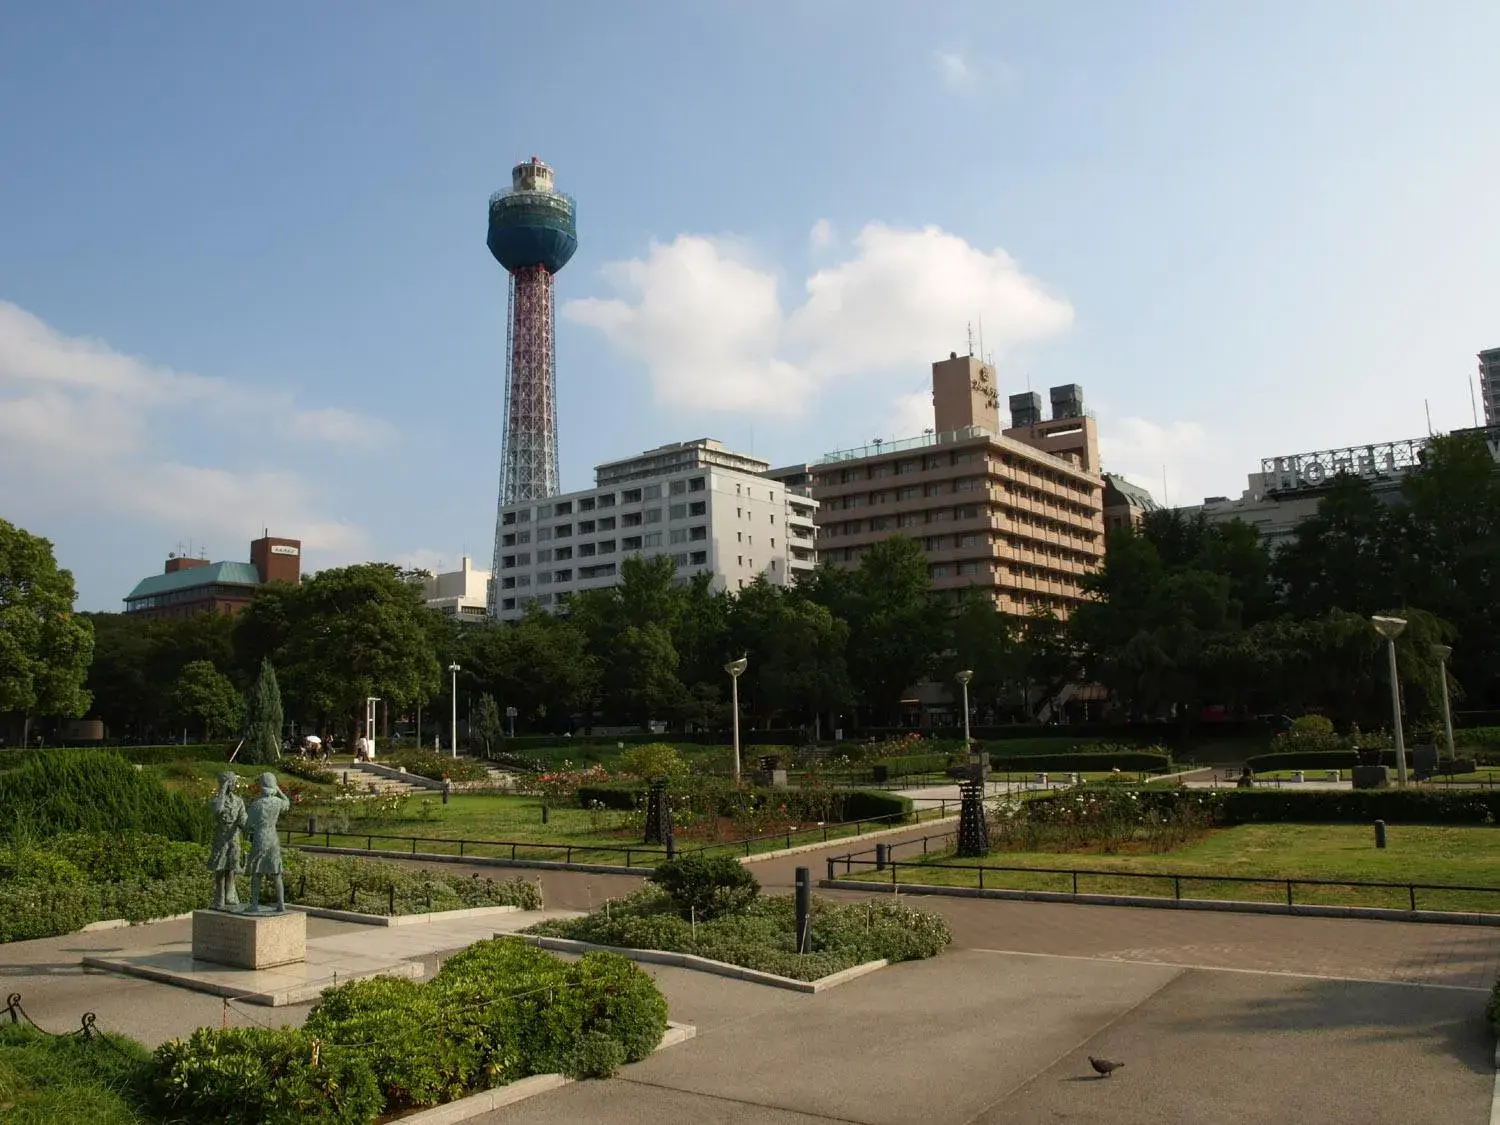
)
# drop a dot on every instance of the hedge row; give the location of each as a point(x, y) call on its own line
point(904, 765)
point(137, 755)
point(781, 737)
point(94, 791)
point(1133, 761)
point(726, 800)
point(1333, 806)
point(497, 1012)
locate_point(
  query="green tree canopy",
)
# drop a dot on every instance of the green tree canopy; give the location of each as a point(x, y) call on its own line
point(205, 698)
point(264, 719)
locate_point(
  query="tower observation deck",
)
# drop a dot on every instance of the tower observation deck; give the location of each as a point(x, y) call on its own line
point(532, 233)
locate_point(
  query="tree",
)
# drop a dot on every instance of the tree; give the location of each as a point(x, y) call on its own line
point(204, 696)
point(44, 647)
point(896, 628)
point(263, 719)
point(488, 725)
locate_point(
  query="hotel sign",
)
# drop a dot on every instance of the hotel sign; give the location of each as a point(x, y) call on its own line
point(283, 549)
point(1383, 461)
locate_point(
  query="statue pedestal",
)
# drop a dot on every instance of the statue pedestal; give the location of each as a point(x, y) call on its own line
point(249, 941)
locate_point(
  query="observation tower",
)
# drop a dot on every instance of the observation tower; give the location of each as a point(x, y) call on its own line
point(533, 233)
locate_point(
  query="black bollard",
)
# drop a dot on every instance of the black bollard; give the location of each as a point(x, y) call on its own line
point(880, 857)
point(544, 814)
point(804, 910)
point(1380, 833)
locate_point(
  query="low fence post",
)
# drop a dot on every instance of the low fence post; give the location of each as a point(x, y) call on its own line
point(1288, 894)
point(804, 910)
point(981, 878)
point(391, 900)
point(1411, 891)
point(1177, 887)
point(881, 851)
point(831, 862)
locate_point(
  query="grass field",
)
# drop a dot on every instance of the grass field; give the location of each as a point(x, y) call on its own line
point(201, 777)
point(599, 836)
point(1274, 852)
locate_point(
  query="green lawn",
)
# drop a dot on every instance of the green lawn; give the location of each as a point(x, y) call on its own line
point(1446, 856)
point(596, 836)
point(202, 777)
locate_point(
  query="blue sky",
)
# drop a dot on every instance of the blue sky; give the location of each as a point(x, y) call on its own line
point(243, 279)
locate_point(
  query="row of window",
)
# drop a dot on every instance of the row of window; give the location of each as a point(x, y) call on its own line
point(607, 500)
point(606, 546)
point(955, 487)
point(935, 461)
point(907, 520)
point(584, 573)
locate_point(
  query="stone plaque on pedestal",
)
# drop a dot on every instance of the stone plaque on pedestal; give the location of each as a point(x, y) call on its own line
point(249, 941)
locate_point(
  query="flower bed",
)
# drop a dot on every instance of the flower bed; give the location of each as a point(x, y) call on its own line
point(760, 933)
point(78, 878)
point(426, 763)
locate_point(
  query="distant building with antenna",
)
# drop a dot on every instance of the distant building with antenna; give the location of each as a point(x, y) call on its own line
point(189, 584)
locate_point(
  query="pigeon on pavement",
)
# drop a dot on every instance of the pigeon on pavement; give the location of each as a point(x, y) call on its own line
point(1103, 1066)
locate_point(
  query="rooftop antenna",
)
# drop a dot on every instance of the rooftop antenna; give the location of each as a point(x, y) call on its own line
point(971, 337)
point(1165, 503)
point(981, 338)
point(1473, 406)
point(1427, 406)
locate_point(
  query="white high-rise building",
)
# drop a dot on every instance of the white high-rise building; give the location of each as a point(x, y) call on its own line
point(705, 507)
point(1489, 385)
point(458, 593)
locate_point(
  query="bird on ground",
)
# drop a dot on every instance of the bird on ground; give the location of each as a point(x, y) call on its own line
point(1103, 1067)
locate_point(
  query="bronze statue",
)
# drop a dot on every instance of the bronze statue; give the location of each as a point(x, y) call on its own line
point(265, 847)
point(224, 859)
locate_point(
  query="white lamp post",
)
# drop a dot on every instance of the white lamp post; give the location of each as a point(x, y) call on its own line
point(1442, 652)
point(453, 671)
point(1390, 628)
point(964, 677)
point(370, 702)
point(736, 668)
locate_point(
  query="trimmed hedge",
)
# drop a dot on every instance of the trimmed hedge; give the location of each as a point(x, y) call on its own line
point(523, 743)
point(904, 765)
point(846, 804)
point(1357, 806)
point(1134, 761)
point(136, 755)
point(1344, 760)
point(95, 791)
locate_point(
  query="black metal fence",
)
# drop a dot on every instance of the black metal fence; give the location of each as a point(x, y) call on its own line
point(1177, 885)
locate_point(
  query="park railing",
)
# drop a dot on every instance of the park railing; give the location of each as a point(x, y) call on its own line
point(1176, 885)
point(399, 845)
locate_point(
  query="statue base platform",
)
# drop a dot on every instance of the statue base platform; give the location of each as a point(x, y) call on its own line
point(249, 941)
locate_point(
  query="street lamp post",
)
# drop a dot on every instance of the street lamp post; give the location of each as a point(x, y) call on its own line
point(736, 668)
point(1390, 628)
point(1442, 652)
point(453, 671)
point(964, 677)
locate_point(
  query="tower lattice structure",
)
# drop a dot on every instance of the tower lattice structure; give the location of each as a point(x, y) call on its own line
point(532, 233)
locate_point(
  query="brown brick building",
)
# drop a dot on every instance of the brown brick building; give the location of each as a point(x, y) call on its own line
point(188, 586)
point(1016, 512)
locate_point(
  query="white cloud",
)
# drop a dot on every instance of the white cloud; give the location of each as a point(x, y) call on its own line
point(910, 415)
point(821, 235)
point(82, 430)
point(711, 330)
point(1144, 451)
point(954, 69)
point(427, 558)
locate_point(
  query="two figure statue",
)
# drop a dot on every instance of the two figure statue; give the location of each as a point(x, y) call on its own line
point(230, 816)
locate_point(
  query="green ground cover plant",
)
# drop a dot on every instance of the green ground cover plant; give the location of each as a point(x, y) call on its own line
point(430, 764)
point(60, 885)
point(701, 906)
point(93, 791)
point(1455, 856)
point(46, 1079)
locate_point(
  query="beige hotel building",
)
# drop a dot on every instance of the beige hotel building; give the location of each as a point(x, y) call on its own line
point(1017, 512)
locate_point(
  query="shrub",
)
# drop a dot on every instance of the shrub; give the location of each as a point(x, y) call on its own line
point(707, 887)
point(46, 1078)
point(1492, 1009)
point(596, 1055)
point(652, 760)
point(33, 910)
point(1311, 725)
point(1360, 806)
point(255, 1075)
point(306, 770)
point(607, 994)
point(868, 804)
point(907, 764)
point(399, 1027)
point(719, 797)
point(94, 791)
point(136, 755)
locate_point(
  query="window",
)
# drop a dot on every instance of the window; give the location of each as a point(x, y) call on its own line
point(606, 546)
point(934, 489)
point(939, 572)
point(932, 461)
point(563, 530)
point(678, 487)
point(653, 539)
point(677, 535)
point(563, 554)
point(508, 603)
point(585, 550)
point(630, 496)
point(653, 492)
point(697, 533)
point(677, 512)
point(653, 515)
point(773, 518)
point(508, 540)
point(564, 508)
point(585, 527)
point(523, 537)
point(630, 543)
point(909, 519)
point(942, 515)
point(507, 562)
point(543, 534)
point(739, 536)
point(523, 580)
point(544, 578)
point(737, 490)
point(630, 519)
point(564, 576)
point(603, 570)
point(523, 558)
point(680, 559)
point(699, 558)
point(523, 516)
point(773, 545)
point(543, 511)
point(586, 504)
point(905, 467)
point(879, 471)
point(967, 512)
point(697, 484)
point(544, 556)
point(508, 582)
point(508, 519)
point(750, 540)
point(970, 540)
point(907, 493)
point(739, 513)
point(697, 508)
point(966, 484)
point(607, 523)
point(607, 500)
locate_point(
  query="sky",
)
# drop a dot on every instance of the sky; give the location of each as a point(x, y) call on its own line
point(243, 279)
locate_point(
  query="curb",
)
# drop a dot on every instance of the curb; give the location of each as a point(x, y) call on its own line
point(398, 919)
point(487, 1101)
point(124, 923)
point(1227, 906)
point(705, 965)
point(798, 849)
